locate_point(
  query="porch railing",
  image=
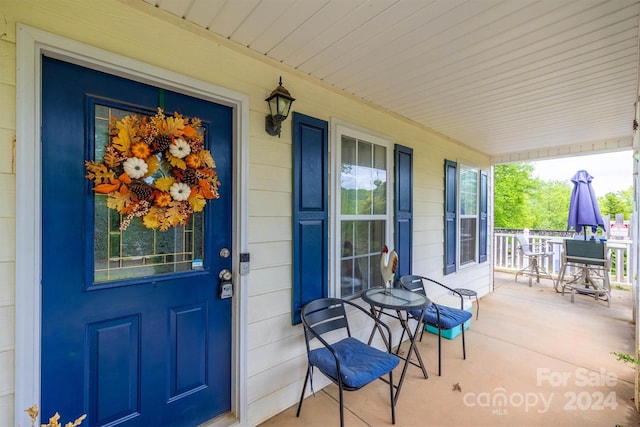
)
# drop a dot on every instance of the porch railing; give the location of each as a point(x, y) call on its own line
point(507, 256)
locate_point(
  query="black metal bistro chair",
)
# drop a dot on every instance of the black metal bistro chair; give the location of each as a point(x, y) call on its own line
point(348, 362)
point(438, 316)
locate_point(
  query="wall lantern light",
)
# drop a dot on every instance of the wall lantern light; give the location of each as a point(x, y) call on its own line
point(279, 102)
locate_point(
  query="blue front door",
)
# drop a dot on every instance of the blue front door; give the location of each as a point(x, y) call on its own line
point(133, 330)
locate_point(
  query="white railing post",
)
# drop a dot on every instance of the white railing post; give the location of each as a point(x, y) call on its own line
point(507, 257)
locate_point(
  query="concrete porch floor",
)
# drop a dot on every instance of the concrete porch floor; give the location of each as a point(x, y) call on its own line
point(533, 359)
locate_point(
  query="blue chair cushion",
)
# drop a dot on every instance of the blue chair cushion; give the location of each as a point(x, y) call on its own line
point(449, 317)
point(359, 363)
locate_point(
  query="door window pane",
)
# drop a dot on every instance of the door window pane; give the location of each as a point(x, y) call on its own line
point(138, 251)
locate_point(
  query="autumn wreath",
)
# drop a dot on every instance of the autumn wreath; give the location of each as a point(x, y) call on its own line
point(155, 168)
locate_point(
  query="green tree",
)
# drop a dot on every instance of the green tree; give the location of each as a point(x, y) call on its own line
point(514, 187)
point(524, 201)
point(620, 202)
point(550, 205)
point(610, 204)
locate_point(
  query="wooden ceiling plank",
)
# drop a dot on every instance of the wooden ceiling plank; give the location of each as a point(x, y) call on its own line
point(606, 112)
point(422, 52)
point(594, 101)
point(294, 17)
point(489, 64)
point(514, 85)
point(543, 95)
point(203, 12)
point(524, 72)
point(314, 27)
point(176, 7)
point(231, 15)
point(402, 49)
point(524, 57)
point(385, 41)
point(264, 16)
point(363, 37)
point(338, 29)
point(603, 67)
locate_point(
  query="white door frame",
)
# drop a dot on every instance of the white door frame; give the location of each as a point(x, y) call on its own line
point(32, 43)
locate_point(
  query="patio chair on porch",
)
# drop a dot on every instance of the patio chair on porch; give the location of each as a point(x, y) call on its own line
point(536, 255)
point(346, 361)
point(591, 264)
point(438, 316)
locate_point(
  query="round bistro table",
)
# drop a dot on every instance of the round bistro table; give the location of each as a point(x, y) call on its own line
point(400, 301)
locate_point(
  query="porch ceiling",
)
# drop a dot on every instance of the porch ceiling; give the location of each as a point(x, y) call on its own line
point(517, 79)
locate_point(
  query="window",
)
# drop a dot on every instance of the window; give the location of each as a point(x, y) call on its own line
point(468, 215)
point(465, 216)
point(363, 209)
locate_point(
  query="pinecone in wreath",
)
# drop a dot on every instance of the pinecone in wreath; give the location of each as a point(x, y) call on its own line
point(162, 142)
point(190, 177)
point(141, 190)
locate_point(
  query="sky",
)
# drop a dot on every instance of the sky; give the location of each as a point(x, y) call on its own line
point(611, 172)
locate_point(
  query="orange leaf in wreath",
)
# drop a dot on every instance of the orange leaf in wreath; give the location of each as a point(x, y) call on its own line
point(124, 178)
point(98, 172)
point(208, 172)
point(110, 158)
point(189, 131)
point(106, 188)
point(205, 189)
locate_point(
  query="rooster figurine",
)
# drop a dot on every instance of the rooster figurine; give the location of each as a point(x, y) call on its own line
point(388, 266)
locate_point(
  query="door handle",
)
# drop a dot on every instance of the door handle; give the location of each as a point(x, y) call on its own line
point(225, 274)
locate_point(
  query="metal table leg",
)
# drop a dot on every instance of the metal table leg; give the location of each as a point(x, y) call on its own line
point(412, 349)
point(404, 322)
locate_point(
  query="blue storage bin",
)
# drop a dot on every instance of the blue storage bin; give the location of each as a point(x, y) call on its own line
point(450, 333)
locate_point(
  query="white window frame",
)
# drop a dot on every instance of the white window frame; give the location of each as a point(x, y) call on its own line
point(462, 167)
point(338, 130)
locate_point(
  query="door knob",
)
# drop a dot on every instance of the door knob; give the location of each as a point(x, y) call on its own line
point(225, 274)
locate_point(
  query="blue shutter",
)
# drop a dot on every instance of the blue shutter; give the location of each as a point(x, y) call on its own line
point(450, 215)
point(404, 208)
point(484, 188)
point(310, 211)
